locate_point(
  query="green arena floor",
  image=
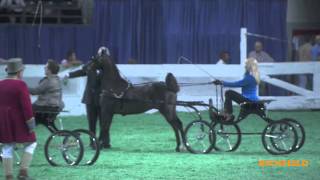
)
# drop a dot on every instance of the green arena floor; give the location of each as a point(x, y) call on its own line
point(143, 148)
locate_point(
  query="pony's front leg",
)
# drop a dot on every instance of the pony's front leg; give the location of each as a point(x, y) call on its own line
point(105, 124)
point(179, 125)
point(106, 115)
point(170, 115)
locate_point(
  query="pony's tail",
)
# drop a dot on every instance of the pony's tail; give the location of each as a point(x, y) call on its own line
point(171, 83)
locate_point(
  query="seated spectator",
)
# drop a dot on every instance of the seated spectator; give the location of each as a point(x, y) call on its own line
point(71, 60)
point(13, 5)
point(49, 93)
point(2, 61)
point(224, 58)
point(132, 61)
point(260, 55)
point(315, 52)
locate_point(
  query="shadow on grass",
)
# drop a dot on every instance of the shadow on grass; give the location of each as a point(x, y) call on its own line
point(159, 151)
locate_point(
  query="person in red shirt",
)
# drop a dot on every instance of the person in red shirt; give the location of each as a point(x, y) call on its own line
point(16, 122)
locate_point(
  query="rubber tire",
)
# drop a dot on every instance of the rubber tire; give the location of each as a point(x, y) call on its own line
point(211, 137)
point(96, 143)
point(67, 134)
point(279, 151)
point(299, 128)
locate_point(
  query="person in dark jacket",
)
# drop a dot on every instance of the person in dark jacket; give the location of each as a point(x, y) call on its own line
point(91, 95)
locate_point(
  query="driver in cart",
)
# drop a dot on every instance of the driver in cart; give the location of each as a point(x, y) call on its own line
point(248, 84)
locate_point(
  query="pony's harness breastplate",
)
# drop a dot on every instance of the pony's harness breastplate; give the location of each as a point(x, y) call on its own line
point(114, 94)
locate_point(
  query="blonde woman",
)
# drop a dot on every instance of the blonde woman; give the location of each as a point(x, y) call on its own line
point(248, 86)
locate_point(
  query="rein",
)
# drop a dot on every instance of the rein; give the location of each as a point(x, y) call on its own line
point(180, 84)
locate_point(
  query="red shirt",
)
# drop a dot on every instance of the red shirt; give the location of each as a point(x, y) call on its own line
point(15, 110)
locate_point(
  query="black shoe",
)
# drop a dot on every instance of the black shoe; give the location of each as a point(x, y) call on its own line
point(228, 117)
point(24, 178)
point(105, 146)
point(93, 146)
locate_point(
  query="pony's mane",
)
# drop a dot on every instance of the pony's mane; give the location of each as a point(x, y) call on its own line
point(114, 69)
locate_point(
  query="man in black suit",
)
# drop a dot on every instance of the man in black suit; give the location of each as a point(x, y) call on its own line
point(91, 95)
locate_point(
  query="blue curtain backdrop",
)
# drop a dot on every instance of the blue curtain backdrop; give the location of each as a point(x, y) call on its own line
point(53, 42)
point(154, 31)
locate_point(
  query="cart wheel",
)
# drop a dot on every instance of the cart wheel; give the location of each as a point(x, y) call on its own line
point(63, 147)
point(279, 137)
point(199, 137)
point(90, 145)
point(228, 137)
point(300, 132)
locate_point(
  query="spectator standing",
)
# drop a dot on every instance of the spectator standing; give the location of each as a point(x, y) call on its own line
point(304, 53)
point(262, 57)
point(259, 54)
point(316, 49)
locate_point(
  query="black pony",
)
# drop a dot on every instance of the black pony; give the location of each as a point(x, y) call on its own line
point(120, 97)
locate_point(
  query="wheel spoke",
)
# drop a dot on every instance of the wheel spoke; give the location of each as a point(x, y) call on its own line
point(230, 146)
point(285, 146)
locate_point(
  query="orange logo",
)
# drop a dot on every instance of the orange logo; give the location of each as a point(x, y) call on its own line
point(283, 163)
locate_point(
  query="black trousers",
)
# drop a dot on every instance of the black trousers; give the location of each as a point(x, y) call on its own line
point(93, 114)
point(230, 96)
point(46, 115)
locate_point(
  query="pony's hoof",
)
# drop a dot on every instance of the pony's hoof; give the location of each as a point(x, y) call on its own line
point(181, 149)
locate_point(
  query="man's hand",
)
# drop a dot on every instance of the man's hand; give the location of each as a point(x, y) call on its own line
point(31, 123)
point(65, 79)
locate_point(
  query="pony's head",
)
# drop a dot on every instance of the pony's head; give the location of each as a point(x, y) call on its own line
point(97, 61)
point(106, 64)
point(103, 51)
point(103, 54)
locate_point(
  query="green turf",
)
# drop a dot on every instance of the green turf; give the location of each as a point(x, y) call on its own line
point(143, 148)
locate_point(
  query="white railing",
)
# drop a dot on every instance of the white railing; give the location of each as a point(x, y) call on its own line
point(188, 73)
point(304, 98)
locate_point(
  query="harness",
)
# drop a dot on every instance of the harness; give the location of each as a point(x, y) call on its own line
point(118, 96)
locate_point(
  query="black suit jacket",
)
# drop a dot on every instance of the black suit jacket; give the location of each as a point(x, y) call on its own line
point(93, 86)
